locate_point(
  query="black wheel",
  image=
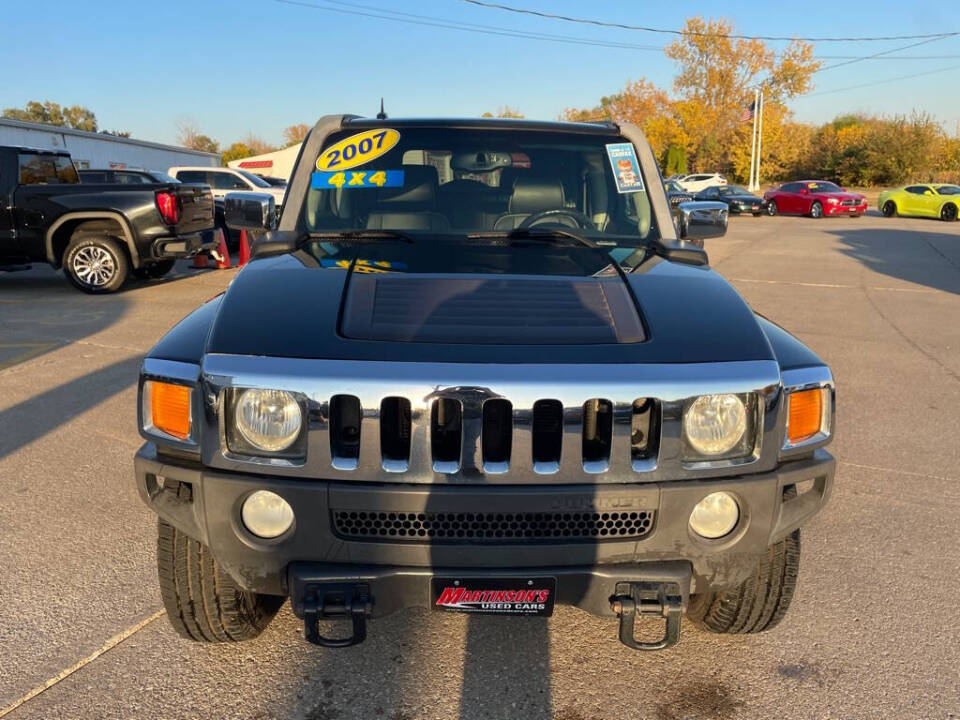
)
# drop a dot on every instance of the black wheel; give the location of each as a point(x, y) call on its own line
point(757, 604)
point(772, 208)
point(154, 270)
point(948, 212)
point(889, 208)
point(203, 603)
point(95, 262)
point(816, 210)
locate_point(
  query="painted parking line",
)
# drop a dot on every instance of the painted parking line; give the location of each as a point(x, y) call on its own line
point(67, 672)
point(832, 285)
point(28, 351)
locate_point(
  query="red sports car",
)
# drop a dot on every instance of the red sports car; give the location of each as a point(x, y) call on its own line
point(815, 198)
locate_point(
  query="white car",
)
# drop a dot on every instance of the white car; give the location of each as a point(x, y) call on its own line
point(694, 183)
point(223, 180)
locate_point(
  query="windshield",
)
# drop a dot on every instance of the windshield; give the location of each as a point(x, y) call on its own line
point(448, 182)
point(828, 187)
point(162, 177)
point(733, 190)
point(949, 189)
point(255, 179)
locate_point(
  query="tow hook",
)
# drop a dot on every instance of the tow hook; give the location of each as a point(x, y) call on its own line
point(653, 599)
point(333, 602)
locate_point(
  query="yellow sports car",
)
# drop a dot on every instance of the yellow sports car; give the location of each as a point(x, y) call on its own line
point(934, 200)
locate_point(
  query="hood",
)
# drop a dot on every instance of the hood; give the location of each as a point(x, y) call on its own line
point(840, 195)
point(483, 303)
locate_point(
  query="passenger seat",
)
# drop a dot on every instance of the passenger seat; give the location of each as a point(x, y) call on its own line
point(411, 207)
point(531, 195)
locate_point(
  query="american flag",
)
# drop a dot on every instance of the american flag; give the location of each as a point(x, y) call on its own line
point(747, 114)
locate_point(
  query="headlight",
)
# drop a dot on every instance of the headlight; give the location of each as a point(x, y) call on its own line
point(832, 201)
point(269, 420)
point(714, 424)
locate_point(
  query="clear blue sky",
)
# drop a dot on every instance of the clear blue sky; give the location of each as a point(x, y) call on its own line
point(239, 66)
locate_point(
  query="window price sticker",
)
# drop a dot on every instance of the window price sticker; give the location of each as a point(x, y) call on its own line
point(626, 168)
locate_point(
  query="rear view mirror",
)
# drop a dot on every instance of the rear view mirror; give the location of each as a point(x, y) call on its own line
point(249, 211)
point(699, 220)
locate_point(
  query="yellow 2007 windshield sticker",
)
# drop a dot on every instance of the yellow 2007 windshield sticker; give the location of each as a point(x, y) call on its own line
point(358, 149)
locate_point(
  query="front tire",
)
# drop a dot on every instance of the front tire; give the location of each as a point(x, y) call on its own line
point(816, 210)
point(203, 602)
point(95, 262)
point(772, 208)
point(948, 212)
point(889, 209)
point(760, 602)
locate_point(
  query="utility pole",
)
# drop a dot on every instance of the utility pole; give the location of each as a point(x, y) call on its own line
point(753, 140)
point(756, 179)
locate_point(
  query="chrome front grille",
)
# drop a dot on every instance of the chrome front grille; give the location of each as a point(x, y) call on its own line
point(504, 424)
point(849, 203)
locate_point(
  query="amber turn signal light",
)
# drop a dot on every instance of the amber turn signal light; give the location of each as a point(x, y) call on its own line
point(170, 408)
point(805, 415)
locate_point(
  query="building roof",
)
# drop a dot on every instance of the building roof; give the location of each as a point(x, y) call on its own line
point(44, 127)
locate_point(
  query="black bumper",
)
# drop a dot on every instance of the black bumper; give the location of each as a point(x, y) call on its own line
point(317, 548)
point(183, 246)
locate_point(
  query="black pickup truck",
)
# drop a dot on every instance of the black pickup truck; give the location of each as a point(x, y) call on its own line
point(98, 233)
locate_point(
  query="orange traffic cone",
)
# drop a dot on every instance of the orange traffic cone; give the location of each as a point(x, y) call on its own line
point(244, 249)
point(221, 254)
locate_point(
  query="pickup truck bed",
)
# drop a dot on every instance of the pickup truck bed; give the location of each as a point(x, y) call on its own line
point(123, 227)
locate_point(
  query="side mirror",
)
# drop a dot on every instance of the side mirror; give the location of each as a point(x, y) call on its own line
point(702, 219)
point(249, 211)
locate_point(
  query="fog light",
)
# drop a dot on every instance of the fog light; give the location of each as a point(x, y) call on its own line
point(266, 514)
point(715, 516)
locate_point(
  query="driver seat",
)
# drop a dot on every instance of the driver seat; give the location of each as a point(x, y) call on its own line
point(531, 195)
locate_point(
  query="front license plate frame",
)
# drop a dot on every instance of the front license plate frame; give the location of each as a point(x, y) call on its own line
point(524, 596)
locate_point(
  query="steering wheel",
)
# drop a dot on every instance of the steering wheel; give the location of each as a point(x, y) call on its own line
point(582, 221)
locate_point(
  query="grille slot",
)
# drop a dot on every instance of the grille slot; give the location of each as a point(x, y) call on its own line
point(497, 435)
point(644, 433)
point(597, 434)
point(502, 528)
point(395, 434)
point(547, 435)
point(345, 417)
point(446, 434)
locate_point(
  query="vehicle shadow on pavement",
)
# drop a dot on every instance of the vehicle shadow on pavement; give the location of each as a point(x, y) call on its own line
point(39, 415)
point(917, 256)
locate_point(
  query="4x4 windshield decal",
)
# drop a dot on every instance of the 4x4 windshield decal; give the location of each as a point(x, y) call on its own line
point(356, 179)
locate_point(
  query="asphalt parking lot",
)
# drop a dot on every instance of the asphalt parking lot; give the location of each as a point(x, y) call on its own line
point(873, 632)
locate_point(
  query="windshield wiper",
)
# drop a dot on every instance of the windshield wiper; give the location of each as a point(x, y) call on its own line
point(361, 235)
point(541, 234)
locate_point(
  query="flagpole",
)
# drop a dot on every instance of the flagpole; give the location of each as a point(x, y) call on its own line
point(759, 140)
point(753, 142)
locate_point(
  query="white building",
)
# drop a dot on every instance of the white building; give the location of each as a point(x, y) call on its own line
point(277, 164)
point(96, 150)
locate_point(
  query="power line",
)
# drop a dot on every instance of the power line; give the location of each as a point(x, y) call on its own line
point(882, 54)
point(665, 31)
point(879, 82)
point(427, 21)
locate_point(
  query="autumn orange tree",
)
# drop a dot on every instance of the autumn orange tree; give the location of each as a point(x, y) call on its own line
point(716, 74)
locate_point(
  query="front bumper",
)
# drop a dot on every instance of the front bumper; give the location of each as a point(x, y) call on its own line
point(210, 512)
point(183, 246)
point(844, 209)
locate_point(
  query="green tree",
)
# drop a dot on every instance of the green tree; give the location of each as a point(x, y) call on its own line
point(50, 113)
point(676, 163)
point(235, 152)
point(504, 111)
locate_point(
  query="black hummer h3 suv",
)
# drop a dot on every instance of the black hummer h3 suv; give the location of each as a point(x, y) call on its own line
point(480, 368)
